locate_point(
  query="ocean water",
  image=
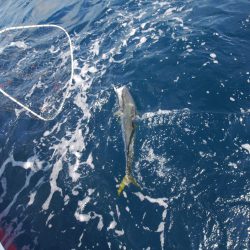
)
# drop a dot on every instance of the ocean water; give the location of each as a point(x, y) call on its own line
point(186, 63)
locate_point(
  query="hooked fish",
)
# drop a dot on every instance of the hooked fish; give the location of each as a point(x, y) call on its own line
point(127, 114)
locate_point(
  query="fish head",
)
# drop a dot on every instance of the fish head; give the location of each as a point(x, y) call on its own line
point(125, 99)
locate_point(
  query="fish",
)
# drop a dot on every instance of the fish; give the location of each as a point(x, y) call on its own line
point(127, 113)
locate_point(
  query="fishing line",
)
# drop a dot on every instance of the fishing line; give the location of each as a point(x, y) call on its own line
point(39, 116)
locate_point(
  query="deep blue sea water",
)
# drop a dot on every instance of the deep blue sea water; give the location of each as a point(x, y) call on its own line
point(186, 63)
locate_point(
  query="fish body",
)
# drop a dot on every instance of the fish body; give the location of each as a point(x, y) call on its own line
point(127, 114)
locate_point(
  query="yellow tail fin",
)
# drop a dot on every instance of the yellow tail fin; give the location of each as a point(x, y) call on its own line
point(125, 182)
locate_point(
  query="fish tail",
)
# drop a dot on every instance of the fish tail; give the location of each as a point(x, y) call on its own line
point(126, 181)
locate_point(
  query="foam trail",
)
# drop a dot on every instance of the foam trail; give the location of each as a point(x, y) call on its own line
point(32, 163)
point(7, 209)
point(160, 112)
point(163, 203)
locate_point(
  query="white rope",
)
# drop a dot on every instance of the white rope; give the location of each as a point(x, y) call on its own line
point(71, 76)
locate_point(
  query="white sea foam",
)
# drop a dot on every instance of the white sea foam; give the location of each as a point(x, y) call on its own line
point(163, 203)
point(119, 232)
point(51, 215)
point(142, 41)
point(232, 164)
point(213, 55)
point(132, 32)
point(160, 201)
point(90, 216)
point(53, 183)
point(73, 144)
point(89, 161)
point(112, 225)
point(170, 11)
point(148, 115)
point(160, 162)
point(66, 200)
point(4, 188)
point(18, 44)
point(32, 198)
point(73, 169)
point(118, 211)
point(32, 163)
point(246, 146)
point(96, 48)
point(14, 199)
point(53, 50)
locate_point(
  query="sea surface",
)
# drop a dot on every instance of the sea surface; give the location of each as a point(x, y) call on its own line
point(187, 66)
